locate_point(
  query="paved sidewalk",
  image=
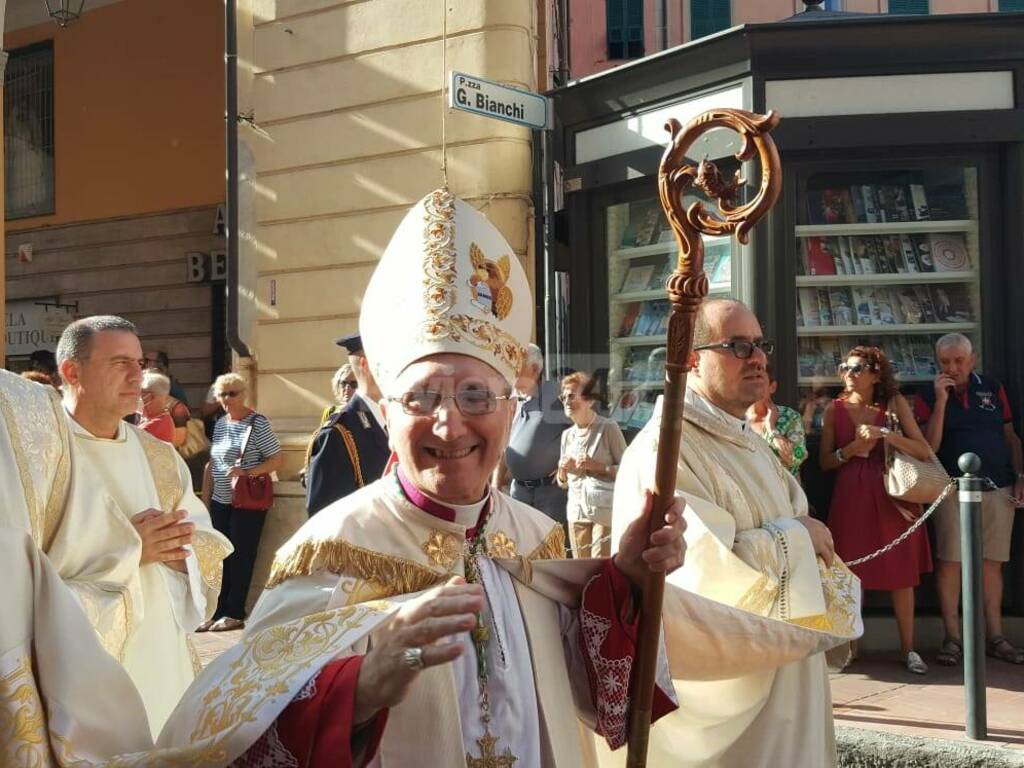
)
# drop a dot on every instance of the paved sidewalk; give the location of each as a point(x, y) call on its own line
point(877, 693)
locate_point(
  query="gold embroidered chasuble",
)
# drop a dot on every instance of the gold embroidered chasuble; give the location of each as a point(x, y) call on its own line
point(746, 550)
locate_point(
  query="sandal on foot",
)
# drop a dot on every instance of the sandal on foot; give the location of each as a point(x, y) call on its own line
point(998, 647)
point(951, 653)
point(227, 624)
point(915, 663)
point(205, 626)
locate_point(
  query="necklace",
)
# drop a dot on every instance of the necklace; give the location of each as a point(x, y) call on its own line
point(480, 636)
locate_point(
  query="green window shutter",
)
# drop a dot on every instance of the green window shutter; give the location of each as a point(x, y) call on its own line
point(708, 16)
point(625, 28)
point(1008, 6)
point(908, 6)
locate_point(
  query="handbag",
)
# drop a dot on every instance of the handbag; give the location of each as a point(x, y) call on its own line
point(598, 493)
point(253, 493)
point(910, 479)
point(196, 441)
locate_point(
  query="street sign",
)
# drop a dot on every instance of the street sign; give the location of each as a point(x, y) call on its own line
point(483, 97)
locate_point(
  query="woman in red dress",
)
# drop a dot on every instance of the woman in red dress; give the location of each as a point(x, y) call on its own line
point(862, 516)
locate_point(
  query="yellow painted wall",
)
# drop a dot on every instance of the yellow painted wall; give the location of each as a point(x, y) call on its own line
point(347, 99)
point(138, 108)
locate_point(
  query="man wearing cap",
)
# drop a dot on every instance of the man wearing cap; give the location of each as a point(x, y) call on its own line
point(351, 449)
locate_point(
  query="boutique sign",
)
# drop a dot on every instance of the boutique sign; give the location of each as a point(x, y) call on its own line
point(35, 324)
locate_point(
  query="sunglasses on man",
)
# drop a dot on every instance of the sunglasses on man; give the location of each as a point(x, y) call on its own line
point(741, 348)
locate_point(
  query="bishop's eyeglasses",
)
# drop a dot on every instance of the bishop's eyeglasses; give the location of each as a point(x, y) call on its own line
point(470, 402)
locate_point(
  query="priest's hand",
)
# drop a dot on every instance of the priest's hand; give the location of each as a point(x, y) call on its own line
point(423, 624)
point(164, 537)
point(821, 538)
point(664, 550)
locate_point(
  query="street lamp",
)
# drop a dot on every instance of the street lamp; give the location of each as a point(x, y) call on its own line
point(64, 11)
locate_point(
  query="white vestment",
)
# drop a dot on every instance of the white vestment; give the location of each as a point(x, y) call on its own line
point(745, 549)
point(142, 614)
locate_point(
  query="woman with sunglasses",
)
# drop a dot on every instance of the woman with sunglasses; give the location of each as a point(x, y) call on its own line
point(591, 451)
point(343, 385)
point(239, 428)
point(862, 516)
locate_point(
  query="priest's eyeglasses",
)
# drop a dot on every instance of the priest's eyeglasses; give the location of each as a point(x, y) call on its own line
point(741, 348)
point(470, 402)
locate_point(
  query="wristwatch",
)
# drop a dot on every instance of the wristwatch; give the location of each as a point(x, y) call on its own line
point(838, 453)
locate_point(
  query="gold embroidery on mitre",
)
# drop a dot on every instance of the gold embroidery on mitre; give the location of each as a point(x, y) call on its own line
point(501, 546)
point(442, 549)
point(23, 732)
point(398, 575)
point(488, 283)
point(553, 546)
point(439, 278)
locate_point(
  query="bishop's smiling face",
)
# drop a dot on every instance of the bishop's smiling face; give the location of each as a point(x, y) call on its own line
point(447, 454)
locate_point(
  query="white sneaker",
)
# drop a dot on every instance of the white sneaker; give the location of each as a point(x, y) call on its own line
point(916, 664)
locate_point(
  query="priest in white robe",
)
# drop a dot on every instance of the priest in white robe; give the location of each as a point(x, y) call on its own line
point(751, 545)
point(124, 530)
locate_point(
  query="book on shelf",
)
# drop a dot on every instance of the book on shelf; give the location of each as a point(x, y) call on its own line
point(923, 248)
point(862, 256)
point(919, 202)
point(819, 256)
point(864, 304)
point(829, 356)
point(851, 264)
point(924, 298)
point(837, 207)
point(630, 314)
point(641, 415)
point(807, 356)
point(841, 301)
point(807, 299)
point(659, 280)
point(909, 253)
point(824, 307)
point(909, 307)
point(876, 253)
point(949, 252)
point(666, 235)
point(870, 200)
point(890, 250)
point(924, 356)
point(648, 227)
point(644, 320)
point(637, 278)
point(952, 303)
point(901, 357)
point(893, 203)
point(625, 406)
point(884, 311)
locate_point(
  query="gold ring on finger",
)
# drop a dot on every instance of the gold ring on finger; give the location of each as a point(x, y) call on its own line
point(413, 658)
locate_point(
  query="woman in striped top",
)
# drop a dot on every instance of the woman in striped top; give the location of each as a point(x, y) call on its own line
point(243, 527)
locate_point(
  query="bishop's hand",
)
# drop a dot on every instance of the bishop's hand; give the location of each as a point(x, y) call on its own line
point(663, 550)
point(415, 632)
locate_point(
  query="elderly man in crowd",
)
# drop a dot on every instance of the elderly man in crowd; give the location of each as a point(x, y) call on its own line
point(534, 447)
point(967, 411)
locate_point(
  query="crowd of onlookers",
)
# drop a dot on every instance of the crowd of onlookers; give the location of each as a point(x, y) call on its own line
point(563, 456)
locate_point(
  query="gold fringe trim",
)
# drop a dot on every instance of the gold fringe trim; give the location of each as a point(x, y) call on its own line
point(553, 546)
point(398, 575)
point(353, 454)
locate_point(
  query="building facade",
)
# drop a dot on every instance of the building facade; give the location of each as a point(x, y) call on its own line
point(607, 33)
point(114, 180)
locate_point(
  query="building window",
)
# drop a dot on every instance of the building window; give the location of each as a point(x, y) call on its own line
point(708, 17)
point(908, 6)
point(625, 29)
point(835, 5)
point(28, 132)
point(1009, 6)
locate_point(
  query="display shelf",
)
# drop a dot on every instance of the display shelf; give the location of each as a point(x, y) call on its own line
point(887, 278)
point(833, 381)
point(928, 226)
point(875, 330)
point(636, 252)
point(659, 293)
point(639, 341)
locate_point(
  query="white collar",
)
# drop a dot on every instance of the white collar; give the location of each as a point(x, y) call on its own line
point(80, 431)
point(466, 515)
point(696, 400)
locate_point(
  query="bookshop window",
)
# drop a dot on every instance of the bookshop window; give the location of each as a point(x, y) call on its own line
point(642, 253)
point(28, 133)
point(1011, 6)
point(908, 6)
point(708, 17)
point(887, 259)
point(625, 28)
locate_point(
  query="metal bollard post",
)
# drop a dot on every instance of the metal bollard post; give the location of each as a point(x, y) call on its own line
point(974, 612)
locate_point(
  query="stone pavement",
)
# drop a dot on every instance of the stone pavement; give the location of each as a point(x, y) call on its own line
point(886, 716)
